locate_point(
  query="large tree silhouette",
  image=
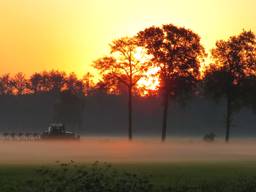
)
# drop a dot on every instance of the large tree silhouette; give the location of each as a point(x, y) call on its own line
point(177, 52)
point(122, 67)
point(234, 63)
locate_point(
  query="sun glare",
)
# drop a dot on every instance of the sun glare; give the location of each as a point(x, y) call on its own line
point(150, 83)
point(139, 54)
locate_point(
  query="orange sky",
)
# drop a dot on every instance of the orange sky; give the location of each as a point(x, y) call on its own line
point(69, 35)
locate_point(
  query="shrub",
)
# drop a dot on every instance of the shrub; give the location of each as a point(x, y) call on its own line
point(95, 178)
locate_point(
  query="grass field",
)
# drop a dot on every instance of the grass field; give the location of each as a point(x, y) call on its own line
point(161, 175)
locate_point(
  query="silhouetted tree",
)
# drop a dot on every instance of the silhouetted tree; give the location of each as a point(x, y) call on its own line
point(248, 86)
point(74, 85)
point(6, 86)
point(100, 89)
point(234, 61)
point(38, 82)
point(69, 108)
point(122, 67)
point(20, 84)
point(88, 83)
point(55, 81)
point(52, 81)
point(177, 52)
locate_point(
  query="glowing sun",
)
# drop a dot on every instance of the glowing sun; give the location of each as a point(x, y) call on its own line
point(150, 82)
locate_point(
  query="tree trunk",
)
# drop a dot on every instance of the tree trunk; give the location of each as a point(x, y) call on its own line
point(228, 118)
point(130, 113)
point(165, 112)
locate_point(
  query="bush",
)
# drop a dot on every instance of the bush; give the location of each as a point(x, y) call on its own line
point(95, 178)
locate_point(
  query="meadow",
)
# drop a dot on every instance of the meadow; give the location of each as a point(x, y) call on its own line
point(204, 176)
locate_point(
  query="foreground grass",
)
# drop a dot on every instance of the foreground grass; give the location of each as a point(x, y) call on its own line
point(219, 176)
point(166, 173)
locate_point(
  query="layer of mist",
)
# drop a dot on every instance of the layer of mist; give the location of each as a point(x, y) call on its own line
point(120, 150)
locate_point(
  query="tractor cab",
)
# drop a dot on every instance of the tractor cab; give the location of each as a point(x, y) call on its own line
point(58, 131)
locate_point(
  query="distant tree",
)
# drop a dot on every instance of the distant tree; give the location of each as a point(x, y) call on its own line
point(20, 84)
point(55, 81)
point(67, 92)
point(74, 85)
point(122, 67)
point(248, 86)
point(88, 83)
point(234, 62)
point(69, 108)
point(6, 86)
point(38, 82)
point(177, 52)
point(100, 89)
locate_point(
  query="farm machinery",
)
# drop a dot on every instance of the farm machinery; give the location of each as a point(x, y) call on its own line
point(55, 131)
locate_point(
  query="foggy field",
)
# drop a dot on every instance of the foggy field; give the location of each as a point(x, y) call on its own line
point(179, 163)
point(120, 150)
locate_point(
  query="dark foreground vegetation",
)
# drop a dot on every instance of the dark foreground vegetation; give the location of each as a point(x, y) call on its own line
point(99, 177)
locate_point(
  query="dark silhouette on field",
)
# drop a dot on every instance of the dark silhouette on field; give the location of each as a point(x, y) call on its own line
point(210, 137)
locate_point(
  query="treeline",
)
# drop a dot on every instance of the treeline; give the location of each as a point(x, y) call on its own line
point(52, 81)
point(177, 54)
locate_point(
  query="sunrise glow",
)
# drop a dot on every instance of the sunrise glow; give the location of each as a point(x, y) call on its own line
point(69, 35)
point(150, 82)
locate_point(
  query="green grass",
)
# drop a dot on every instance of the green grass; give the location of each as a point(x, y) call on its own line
point(160, 174)
point(195, 173)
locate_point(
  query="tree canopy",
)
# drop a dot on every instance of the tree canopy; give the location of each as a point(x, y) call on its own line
point(122, 67)
point(234, 62)
point(177, 51)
